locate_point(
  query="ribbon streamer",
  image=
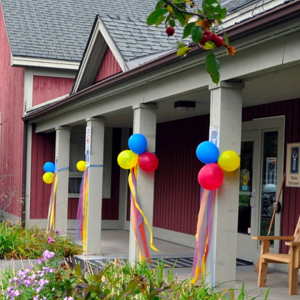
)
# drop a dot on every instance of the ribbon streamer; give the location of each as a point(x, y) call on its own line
point(138, 218)
point(203, 235)
point(51, 210)
point(81, 222)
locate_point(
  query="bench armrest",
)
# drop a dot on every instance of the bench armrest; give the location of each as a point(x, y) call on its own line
point(293, 244)
point(271, 238)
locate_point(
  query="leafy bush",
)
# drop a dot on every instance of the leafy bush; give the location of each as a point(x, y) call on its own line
point(51, 280)
point(18, 242)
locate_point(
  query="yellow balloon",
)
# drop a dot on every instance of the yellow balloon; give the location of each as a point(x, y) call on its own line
point(48, 177)
point(127, 159)
point(229, 161)
point(81, 166)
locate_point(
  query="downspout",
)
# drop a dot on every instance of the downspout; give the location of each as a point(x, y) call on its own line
point(24, 169)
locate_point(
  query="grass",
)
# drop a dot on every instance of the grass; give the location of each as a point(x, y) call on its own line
point(19, 242)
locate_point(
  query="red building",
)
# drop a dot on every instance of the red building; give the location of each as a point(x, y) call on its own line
point(123, 87)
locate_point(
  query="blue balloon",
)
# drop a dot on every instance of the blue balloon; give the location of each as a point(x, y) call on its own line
point(137, 143)
point(207, 152)
point(49, 167)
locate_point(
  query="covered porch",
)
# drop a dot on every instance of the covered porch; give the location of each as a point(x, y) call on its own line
point(115, 244)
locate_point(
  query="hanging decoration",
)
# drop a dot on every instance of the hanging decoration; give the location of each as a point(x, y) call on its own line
point(210, 178)
point(50, 177)
point(81, 222)
point(147, 162)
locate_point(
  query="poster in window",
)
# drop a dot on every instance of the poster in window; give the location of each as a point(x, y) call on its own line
point(271, 170)
point(293, 165)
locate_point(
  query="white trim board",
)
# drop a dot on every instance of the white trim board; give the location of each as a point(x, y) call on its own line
point(19, 61)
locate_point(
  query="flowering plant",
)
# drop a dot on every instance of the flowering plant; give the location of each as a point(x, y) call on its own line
point(42, 282)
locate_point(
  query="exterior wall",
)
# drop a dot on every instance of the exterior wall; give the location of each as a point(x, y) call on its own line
point(108, 67)
point(290, 204)
point(47, 88)
point(176, 198)
point(176, 188)
point(110, 207)
point(11, 108)
point(43, 150)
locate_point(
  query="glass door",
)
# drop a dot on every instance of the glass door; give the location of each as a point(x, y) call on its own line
point(261, 174)
point(248, 194)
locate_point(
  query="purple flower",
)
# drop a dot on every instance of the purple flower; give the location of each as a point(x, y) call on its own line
point(48, 254)
point(57, 231)
point(68, 298)
point(50, 239)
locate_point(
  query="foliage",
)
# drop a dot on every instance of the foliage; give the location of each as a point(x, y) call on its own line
point(66, 280)
point(19, 242)
point(199, 24)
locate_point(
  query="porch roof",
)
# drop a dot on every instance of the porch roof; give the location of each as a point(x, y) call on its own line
point(257, 24)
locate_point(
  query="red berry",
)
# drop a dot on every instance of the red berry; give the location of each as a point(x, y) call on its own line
point(213, 37)
point(204, 40)
point(219, 41)
point(170, 31)
point(207, 32)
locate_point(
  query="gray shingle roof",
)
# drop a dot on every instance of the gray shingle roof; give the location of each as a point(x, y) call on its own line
point(59, 29)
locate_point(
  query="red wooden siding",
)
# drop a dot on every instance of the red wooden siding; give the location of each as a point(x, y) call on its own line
point(43, 150)
point(108, 67)
point(11, 108)
point(176, 197)
point(290, 204)
point(110, 207)
point(48, 88)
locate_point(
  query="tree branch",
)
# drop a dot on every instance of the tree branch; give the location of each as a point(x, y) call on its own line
point(182, 11)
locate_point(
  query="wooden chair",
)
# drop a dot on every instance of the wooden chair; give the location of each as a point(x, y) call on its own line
point(292, 258)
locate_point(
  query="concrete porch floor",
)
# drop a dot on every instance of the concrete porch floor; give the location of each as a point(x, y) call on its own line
point(115, 243)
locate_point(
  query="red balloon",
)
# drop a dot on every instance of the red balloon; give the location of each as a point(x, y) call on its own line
point(211, 176)
point(148, 162)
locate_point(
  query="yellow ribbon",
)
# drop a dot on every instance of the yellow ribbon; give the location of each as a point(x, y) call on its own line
point(131, 185)
point(84, 211)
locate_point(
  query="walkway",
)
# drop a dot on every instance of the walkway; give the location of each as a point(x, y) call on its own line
point(115, 243)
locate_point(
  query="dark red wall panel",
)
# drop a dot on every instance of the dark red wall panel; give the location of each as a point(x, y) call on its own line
point(43, 150)
point(108, 67)
point(11, 108)
point(110, 207)
point(176, 197)
point(48, 88)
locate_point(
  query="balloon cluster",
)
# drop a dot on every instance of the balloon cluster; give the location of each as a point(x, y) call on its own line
point(81, 166)
point(211, 176)
point(49, 169)
point(128, 159)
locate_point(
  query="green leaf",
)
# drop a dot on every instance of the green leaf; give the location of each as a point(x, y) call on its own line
point(183, 51)
point(172, 23)
point(213, 10)
point(160, 4)
point(180, 17)
point(180, 44)
point(152, 18)
point(226, 39)
point(197, 33)
point(159, 20)
point(213, 67)
point(187, 29)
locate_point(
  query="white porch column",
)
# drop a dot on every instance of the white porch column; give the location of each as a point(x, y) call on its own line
point(226, 114)
point(62, 156)
point(144, 122)
point(95, 180)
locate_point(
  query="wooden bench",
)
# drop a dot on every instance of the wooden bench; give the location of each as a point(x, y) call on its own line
point(292, 259)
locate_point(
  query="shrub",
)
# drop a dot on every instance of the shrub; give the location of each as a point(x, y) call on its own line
point(19, 242)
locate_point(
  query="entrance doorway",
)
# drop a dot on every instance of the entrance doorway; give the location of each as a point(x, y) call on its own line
point(261, 173)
